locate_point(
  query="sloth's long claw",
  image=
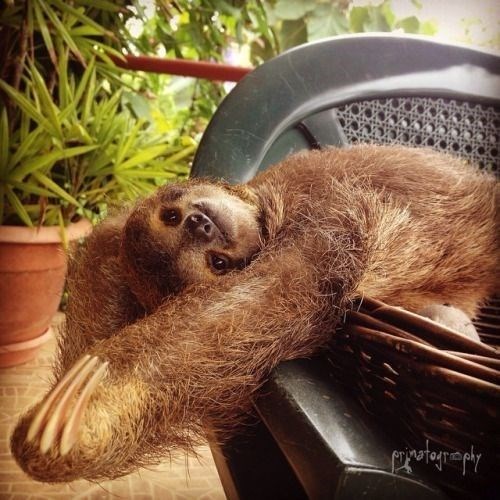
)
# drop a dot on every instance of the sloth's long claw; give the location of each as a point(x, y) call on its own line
point(43, 413)
point(62, 410)
point(70, 431)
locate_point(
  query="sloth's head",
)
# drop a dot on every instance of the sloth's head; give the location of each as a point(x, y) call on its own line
point(187, 234)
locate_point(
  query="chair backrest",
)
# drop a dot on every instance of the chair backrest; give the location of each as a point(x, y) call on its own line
point(359, 88)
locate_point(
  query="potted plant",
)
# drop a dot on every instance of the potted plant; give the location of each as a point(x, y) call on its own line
point(68, 148)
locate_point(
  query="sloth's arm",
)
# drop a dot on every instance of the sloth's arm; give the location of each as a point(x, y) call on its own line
point(232, 334)
point(100, 302)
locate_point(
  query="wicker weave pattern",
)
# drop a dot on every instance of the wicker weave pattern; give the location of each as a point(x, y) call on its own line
point(426, 382)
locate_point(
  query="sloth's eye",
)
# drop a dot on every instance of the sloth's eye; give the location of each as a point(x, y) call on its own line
point(170, 217)
point(219, 263)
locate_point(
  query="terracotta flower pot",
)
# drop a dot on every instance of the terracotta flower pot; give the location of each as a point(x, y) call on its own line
point(32, 272)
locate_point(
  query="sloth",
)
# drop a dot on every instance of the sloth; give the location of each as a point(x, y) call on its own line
point(180, 308)
point(186, 235)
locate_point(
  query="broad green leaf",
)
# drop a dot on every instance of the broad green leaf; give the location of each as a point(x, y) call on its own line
point(358, 16)
point(409, 24)
point(430, 28)
point(377, 20)
point(52, 186)
point(386, 9)
point(18, 206)
point(325, 21)
point(292, 10)
point(292, 33)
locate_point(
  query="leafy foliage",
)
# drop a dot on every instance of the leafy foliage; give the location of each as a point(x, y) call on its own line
point(254, 30)
point(70, 143)
point(77, 133)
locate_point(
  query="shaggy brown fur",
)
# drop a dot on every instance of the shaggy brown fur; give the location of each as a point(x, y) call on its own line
point(185, 235)
point(410, 227)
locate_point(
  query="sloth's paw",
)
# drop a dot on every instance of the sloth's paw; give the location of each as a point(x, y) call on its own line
point(56, 422)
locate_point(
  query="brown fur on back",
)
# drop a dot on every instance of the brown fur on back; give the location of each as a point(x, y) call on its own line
point(423, 225)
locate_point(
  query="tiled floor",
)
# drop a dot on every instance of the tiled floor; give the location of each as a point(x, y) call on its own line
point(22, 385)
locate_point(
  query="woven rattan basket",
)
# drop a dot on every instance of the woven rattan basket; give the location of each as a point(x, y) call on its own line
point(431, 387)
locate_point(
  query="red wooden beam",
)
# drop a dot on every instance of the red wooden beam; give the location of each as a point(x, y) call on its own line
point(183, 67)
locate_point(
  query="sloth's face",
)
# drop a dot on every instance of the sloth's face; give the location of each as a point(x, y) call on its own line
point(191, 233)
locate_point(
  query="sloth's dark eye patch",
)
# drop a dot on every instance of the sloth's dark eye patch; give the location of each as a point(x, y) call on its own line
point(219, 263)
point(171, 216)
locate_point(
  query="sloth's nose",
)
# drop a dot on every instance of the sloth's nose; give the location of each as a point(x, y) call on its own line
point(200, 226)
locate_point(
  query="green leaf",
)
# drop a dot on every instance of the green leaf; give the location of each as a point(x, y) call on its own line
point(4, 143)
point(409, 24)
point(148, 174)
point(126, 142)
point(142, 157)
point(64, 88)
point(18, 206)
point(101, 5)
point(325, 21)
point(25, 146)
point(44, 30)
point(85, 20)
point(291, 10)
point(181, 154)
point(47, 160)
point(387, 12)
point(62, 31)
point(84, 31)
point(84, 81)
point(62, 230)
point(52, 186)
point(429, 28)
point(292, 33)
point(28, 107)
point(49, 109)
point(28, 187)
point(358, 16)
point(88, 99)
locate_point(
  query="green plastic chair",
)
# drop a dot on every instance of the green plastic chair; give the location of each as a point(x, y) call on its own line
point(313, 439)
